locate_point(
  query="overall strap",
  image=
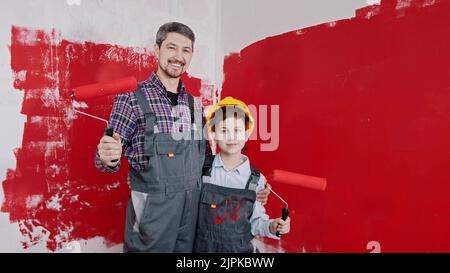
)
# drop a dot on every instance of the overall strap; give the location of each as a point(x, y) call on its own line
point(207, 168)
point(252, 182)
point(191, 107)
point(150, 120)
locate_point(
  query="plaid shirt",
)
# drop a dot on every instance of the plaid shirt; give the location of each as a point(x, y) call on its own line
point(127, 119)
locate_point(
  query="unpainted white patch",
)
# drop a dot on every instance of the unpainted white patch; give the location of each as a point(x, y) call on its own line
point(69, 117)
point(50, 98)
point(74, 198)
point(52, 76)
point(112, 54)
point(94, 245)
point(80, 105)
point(36, 233)
point(86, 204)
point(51, 147)
point(71, 247)
point(134, 57)
point(332, 24)
point(373, 12)
point(28, 37)
point(36, 119)
point(266, 248)
point(112, 186)
point(54, 202)
point(64, 234)
point(33, 201)
point(401, 4)
point(53, 171)
point(21, 75)
point(429, 3)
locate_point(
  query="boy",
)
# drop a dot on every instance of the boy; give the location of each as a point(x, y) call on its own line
point(229, 215)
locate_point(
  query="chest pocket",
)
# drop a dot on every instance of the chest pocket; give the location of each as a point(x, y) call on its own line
point(225, 211)
point(171, 157)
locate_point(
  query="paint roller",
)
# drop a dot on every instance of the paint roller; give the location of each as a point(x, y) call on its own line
point(115, 87)
point(123, 85)
point(295, 179)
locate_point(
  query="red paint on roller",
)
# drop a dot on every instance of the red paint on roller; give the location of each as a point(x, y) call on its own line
point(296, 179)
point(124, 85)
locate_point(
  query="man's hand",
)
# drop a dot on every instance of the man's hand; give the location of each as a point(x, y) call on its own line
point(279, 225)
point(109, 149)
point(263, 195)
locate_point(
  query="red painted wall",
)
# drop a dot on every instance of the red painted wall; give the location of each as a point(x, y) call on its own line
point(364, 103)
point(55, 185)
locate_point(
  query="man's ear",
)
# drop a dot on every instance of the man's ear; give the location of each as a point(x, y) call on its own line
point(156, 49)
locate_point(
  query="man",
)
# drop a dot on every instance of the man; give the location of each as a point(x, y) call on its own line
point(159, 130)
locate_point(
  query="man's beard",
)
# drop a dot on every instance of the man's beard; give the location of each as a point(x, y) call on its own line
point(170, 73)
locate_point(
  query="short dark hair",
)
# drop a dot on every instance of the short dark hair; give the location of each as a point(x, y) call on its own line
point(176, 27)
point(235, 112)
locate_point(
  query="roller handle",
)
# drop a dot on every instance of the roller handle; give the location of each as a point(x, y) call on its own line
point(284, 216)
point(109, 132)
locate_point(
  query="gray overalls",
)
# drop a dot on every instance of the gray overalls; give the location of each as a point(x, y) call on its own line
point(224, 215)
point(167, 192)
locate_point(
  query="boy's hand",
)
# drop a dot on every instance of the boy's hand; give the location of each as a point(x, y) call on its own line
point(129, 181)
point(263, 195)
point(279, 225)
point(109, 149)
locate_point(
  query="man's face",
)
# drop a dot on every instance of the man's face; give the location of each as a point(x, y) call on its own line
point(230, 135)
point(174, 55)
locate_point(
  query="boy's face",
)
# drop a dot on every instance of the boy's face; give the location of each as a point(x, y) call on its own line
point(230, 135)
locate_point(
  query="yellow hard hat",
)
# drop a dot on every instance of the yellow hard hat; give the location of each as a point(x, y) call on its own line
point(230, 101)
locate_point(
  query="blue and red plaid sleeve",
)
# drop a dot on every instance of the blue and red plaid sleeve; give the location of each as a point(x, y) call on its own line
point(123, 121)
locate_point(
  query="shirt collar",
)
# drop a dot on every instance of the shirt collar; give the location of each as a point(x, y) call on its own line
point(156, 82)
point(243, 169)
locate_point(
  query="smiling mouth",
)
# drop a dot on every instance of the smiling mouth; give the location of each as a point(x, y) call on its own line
point(176, 64)
point(232, 145)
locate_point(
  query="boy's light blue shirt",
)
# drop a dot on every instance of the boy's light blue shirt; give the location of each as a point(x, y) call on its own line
point(237, 178)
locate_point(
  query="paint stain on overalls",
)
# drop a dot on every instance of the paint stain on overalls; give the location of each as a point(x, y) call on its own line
point(224, 215)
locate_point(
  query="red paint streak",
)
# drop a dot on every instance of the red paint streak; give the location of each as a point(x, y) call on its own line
point(227, 211)
point(55, 161)
point(234, 213)
point(365, 104)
